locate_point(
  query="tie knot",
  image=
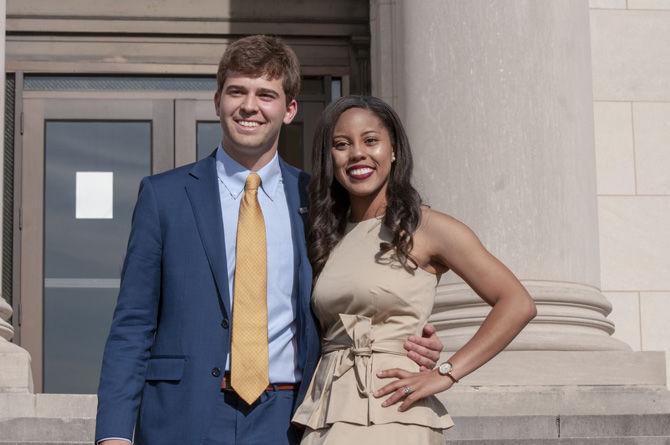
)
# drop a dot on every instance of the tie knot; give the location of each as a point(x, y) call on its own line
point(253, 181)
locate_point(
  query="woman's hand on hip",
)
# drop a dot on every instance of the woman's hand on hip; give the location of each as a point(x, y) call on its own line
point(411, 386)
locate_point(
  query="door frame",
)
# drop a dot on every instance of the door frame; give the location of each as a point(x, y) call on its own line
point(188, 112)
point(36, 112)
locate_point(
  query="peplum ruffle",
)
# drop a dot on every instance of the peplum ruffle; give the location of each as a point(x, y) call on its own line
point(345, 379)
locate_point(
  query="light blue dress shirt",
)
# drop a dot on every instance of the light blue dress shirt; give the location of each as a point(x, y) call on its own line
point(280, 267)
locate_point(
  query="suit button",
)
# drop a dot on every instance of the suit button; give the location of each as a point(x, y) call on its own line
point(224, 323)
point(216, 372)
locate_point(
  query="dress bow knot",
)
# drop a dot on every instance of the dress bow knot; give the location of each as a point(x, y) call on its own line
point(357, 354)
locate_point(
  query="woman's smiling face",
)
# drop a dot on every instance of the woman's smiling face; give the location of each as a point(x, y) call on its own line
point(362, 153)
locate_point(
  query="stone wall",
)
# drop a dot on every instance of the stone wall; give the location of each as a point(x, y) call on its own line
point(630, 43)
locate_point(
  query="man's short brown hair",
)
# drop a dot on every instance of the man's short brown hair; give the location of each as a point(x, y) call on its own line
point(258, 56)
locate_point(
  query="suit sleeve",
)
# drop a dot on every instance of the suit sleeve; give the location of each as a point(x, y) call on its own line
point(131, 335)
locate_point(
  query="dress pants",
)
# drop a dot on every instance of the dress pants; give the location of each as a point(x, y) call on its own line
point(267, 421)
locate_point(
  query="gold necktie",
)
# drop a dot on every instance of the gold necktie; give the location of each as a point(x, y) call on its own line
point(249, 349)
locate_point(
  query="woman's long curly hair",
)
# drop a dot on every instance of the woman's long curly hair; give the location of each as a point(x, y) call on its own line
point(329, 201)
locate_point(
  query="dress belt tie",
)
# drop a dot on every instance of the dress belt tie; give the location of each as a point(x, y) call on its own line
point(357, 354)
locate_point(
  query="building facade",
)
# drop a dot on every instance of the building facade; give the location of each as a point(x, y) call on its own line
point(545, 127)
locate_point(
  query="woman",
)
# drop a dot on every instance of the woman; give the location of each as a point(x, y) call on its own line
point(377, 256)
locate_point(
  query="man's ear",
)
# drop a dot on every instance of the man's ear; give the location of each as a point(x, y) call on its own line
point(217, 102)
point(291, 111)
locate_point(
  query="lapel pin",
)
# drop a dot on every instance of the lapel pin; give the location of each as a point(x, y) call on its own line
point(302, 210)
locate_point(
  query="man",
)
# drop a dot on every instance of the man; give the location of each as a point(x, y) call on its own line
point(183, 364)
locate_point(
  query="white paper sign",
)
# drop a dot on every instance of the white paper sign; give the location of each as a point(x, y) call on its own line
point(95, 195)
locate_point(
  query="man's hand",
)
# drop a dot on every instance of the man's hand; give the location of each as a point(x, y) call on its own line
point(425, 350)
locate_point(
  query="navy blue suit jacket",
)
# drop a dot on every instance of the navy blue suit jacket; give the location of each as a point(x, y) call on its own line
point(167, 346)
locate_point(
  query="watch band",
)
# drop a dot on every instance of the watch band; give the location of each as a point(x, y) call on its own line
point(450, 375)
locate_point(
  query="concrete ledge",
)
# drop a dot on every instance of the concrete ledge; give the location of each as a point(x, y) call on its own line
point(562, 441)
point(624, 429)
point(16, 405)
point(464, 400)
point(48, 405)
point(503, 427)
point(27, 429)
point(571, 368)
point(66, 405)
point(461, 400)
point(617, 426)
point(41, 442)
point(15, 373)
point(559, 427)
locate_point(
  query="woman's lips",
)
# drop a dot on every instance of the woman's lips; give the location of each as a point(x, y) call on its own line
point(360, 172)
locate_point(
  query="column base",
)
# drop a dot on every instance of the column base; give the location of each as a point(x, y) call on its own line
point(15, 373)
point(570, 317)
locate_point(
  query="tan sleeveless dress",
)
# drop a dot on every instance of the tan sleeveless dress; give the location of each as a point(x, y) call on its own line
point(367, 308)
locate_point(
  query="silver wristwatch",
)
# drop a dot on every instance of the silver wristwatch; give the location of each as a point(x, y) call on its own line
point(445, 370)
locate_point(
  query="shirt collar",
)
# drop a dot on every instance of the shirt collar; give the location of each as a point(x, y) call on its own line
point(233, 175)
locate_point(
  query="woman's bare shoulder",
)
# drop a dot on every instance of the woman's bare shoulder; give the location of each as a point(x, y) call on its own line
point(436, 223)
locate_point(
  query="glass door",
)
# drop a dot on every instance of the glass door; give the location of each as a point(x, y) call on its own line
point(82, 162)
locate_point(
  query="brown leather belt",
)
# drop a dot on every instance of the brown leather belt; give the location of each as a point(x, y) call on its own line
point(226, 386)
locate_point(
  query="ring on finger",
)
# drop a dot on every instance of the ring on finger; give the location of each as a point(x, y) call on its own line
point(407, 390)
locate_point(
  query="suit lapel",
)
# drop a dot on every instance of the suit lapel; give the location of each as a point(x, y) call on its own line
point(203, 193)
point(294, 201)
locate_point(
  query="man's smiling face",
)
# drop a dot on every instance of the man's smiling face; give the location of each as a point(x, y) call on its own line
point(252, 111)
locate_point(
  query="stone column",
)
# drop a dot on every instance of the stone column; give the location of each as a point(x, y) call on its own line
point(15, 373)
point(6, 329)
point(497, 100)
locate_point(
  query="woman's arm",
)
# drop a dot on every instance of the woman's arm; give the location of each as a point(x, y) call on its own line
point(445, 243)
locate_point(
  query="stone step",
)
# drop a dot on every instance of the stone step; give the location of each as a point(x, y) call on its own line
point(41, 442)
point(46, 430)
point(558, 441)
point(619, 429)
point(533, 401)
point(462, 400)
point(565, 426)
point(615, 425)
point(648, 440)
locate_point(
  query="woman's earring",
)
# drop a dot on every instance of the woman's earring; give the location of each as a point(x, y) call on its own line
point(393, 157)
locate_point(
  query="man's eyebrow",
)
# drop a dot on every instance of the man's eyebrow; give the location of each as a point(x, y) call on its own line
point(235, 87)
point(268, 91)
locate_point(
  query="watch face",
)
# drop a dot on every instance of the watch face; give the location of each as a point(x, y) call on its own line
point(444, 368)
